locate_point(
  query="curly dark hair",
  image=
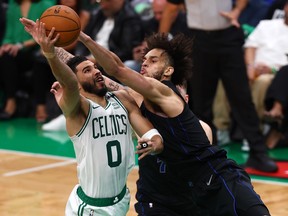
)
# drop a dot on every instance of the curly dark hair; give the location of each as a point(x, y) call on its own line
point(179, 53)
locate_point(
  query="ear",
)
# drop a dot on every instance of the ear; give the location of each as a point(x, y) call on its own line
point(169, 71)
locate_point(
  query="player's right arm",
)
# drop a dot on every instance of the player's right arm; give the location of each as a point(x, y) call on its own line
point(150, 88)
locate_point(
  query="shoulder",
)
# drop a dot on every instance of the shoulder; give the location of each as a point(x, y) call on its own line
point(123, 95)
point(126, 99)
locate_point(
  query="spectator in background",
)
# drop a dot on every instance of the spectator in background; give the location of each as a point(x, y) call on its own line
point(266, 51)
point(276, 103)
point(116, 26)
point(218, 54)
point(151, 25)
point(17, 52)
point(43, 78)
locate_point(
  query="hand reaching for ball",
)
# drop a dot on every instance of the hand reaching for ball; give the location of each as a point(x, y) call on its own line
point(38, 32)
point(65, 21)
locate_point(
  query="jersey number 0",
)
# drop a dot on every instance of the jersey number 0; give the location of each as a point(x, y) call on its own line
point(114, 161)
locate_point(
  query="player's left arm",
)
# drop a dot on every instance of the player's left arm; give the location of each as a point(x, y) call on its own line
point(142, 127)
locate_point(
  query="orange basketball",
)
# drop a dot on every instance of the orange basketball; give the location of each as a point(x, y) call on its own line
point(66, 22)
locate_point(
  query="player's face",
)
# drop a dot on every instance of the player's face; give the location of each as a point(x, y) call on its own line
point(90, 78)
point(154, 64)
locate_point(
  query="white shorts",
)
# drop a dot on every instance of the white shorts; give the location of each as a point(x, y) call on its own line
point(75, 206)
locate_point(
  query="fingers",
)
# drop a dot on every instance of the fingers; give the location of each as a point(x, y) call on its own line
point(56, 85)
point(27, 22)
point(53, 91)
point(51, 33)
point(145, 148)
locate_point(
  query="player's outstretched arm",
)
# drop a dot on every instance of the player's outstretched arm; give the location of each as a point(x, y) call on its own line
point(70, 98)
point(114, 66)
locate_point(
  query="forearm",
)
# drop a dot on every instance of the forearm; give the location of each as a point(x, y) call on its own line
point(112, 85)
point(168, 17)
point(250, 56)
point(239, 6)
point(61, 71)
point(108, 60)
point(63, 54)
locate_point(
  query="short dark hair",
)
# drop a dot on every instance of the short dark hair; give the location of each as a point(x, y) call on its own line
point(75, 61)
point(179, 52)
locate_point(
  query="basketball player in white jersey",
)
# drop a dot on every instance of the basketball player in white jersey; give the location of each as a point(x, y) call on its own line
point(98, 123)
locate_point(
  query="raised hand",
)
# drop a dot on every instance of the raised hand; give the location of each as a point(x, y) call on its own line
point(38, 32)
point(29, 25)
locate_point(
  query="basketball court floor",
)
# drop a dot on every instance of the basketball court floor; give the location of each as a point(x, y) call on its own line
point(38, 172)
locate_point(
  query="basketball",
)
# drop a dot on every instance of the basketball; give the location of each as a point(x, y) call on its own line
point(66, 22)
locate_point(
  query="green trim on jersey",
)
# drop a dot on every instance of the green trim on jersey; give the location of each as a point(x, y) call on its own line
point(86, 122)
point(101, 202)
point(118, 101)
point(108, 105)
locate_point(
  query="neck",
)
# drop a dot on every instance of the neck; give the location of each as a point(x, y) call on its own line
point(101, 100)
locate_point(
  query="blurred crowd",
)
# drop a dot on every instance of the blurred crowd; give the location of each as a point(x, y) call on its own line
point(122, 25)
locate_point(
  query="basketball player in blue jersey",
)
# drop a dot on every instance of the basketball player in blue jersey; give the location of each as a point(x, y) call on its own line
point(98, 123)
point(202, 171)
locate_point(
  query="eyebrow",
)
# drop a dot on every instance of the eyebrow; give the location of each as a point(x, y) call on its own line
point(86, 67)
point(151, 57)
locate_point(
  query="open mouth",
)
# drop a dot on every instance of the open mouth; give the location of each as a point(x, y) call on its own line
point(142, 71)
point(99, 79)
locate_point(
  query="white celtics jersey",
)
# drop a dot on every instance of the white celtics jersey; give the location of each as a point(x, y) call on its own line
point(104, 149)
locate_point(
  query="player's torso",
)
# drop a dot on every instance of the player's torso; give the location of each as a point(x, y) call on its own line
point(104, 149)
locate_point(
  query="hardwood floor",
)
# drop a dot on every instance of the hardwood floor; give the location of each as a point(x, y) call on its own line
point(37, 185)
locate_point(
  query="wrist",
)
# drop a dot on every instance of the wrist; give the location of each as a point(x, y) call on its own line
point(149, 134)
point(48, 55)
